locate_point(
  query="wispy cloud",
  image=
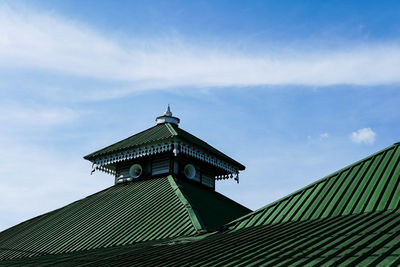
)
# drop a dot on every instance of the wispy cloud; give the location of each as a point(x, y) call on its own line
point(323, 135)
point(17, 115)
point(364, 135)
point(30, 39)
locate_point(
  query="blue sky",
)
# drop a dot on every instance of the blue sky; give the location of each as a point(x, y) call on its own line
point(292, 89)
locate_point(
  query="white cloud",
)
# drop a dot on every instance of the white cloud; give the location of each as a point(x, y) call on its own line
point(30, 39)
point(18, 115)
point(364, 135)
point(323, 135)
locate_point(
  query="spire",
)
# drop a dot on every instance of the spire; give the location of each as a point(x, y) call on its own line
point(168, 112)
point(167, 117)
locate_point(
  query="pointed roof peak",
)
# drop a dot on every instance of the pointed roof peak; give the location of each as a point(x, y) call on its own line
point(168, 112)
point(167, 117)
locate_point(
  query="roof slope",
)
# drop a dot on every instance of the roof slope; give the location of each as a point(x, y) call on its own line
point(154, 134)
point(351, 217)
point(370, 239)
point(372, 184)
point(157, 133)
point(139, 211)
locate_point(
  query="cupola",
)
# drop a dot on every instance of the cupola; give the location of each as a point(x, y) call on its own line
point(167, 117)
point(165, 149)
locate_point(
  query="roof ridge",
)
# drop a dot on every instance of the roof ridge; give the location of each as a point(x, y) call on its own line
point(143, 210)
point(171, 129)
point(310, 186)
point(193, 215)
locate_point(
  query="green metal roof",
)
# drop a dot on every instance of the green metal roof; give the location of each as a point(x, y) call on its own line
point(351, 217)
point(369, 239)
point(139, 211)
point(372, 184)
point(213, 209)
point(158, 133)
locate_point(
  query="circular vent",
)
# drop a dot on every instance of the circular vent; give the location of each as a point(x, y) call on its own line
point(135, 171)
point(190, 171)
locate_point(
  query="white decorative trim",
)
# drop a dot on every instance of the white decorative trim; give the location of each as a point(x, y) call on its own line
point(176, 149)
point(167, 119)
point(133, 153)
point(206, 157)
point(106, 170)
point(228, 176)
point(175, 146)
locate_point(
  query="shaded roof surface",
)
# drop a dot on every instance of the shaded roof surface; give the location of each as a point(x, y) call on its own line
point(160, 132)
point(370, 239)
point(212, 208)
point(139, 211)
point(351, 217)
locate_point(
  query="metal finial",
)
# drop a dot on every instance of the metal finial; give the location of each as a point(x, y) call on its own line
point(167, 117)
point(168, 112)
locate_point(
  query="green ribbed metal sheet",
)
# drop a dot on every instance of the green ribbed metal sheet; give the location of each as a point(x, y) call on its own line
point(160, 132)
point(369, 239)
point(351, 217)
point(139, 211)
point(371, 184)
point(119, 215)
point(156, 133)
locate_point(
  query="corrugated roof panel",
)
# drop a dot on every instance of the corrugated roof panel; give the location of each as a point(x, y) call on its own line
point(341, 219)
point(392, 185)
point(121, 214)
point(354, 189)
point(153, 134)
point(290, 207)
point(342, 197)
point(374, 180)
point(265, 215)
point(327, 194)
point(315, 190)
point(381, 177)
point(303, 197)
point(143, 210)
point(364, 186)
point(394, 201)
point(363, 239)
point(254, 219)
point(352, 245)
point(384, 191)
point(355, 207)
point(275, 212)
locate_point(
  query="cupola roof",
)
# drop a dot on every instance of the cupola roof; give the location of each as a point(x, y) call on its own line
point(165, 136)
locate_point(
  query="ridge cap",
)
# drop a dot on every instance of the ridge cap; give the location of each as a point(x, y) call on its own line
point(193, 214)
point(171, 129)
